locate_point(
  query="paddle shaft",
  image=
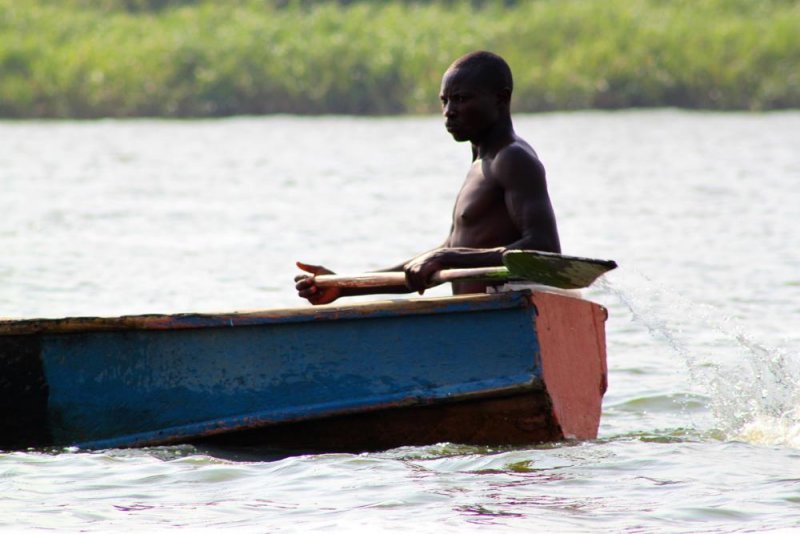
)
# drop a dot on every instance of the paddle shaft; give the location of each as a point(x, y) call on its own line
point(546, 268)
point(398, 278)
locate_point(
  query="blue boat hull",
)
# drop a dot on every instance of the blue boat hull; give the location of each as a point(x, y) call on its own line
point(149, 380)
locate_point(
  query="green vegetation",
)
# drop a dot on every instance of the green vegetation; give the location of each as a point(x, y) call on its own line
point(121, 58)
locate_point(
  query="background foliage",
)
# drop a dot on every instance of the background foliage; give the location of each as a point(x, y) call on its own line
point(102, 58)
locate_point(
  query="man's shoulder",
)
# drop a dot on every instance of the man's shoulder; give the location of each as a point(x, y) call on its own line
point(517, 149)
point(515, 158)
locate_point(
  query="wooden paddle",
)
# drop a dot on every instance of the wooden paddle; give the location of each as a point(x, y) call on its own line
point(546, 268)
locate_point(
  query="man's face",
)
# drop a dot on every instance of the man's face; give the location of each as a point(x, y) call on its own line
point(470, 109)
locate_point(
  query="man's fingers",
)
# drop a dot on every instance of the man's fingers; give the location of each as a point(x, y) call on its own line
point(306, 287)
point(301, 287)
point(313, 269)
point(418, 278)
point(414, 281)
point(308, 292)
point(304, 280)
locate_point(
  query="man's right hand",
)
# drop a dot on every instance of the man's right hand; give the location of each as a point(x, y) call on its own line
point(308, 289)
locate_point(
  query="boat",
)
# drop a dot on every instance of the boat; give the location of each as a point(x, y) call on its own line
point(510, 368)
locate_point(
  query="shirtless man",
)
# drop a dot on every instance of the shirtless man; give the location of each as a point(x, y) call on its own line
point(503, 203)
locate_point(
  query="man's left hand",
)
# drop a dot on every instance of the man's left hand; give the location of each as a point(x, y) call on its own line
point(420, 270)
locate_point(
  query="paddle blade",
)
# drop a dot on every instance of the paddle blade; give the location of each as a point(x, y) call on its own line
point(556, 270)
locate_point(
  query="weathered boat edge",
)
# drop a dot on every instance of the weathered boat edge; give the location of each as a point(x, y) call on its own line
point(333, 312)
point(565, 403)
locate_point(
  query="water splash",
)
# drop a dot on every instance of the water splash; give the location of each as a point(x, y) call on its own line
point(753, 389)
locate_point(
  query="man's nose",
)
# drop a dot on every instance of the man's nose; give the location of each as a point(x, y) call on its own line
point(448, 110)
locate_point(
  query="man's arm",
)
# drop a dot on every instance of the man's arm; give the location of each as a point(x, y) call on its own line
point(522, 178)
point(308, 289)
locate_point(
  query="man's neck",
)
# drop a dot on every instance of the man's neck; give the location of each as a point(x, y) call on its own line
point(497, 137)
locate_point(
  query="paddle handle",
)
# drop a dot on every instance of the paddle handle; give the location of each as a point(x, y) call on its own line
point(397, 278)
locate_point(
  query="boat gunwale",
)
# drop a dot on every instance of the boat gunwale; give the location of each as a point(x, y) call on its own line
point(187, 321)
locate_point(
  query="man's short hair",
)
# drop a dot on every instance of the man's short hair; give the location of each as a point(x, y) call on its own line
point(493, 69)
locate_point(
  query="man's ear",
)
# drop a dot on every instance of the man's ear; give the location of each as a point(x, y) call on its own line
point(504, 96)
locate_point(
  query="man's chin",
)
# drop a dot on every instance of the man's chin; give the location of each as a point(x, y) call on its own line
point(459, 136)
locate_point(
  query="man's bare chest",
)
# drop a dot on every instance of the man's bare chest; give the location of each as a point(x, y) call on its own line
point(480, 196)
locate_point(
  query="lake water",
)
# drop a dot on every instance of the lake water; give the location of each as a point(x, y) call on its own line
point(701, 422)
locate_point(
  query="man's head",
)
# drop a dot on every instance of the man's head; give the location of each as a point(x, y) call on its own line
point(491, 69)
point(475, 94)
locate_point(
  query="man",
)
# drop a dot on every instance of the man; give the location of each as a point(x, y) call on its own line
point(503, 203)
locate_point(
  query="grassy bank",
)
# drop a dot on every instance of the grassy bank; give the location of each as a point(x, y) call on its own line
point(99, 58)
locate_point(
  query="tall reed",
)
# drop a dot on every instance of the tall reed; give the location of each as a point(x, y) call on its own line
point(183, 58)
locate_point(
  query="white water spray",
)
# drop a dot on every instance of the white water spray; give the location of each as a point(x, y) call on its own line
point(753, 389)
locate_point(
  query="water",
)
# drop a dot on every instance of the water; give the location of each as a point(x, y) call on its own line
point(701, 423)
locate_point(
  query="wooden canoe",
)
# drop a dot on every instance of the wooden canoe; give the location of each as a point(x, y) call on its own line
point(504, 369)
